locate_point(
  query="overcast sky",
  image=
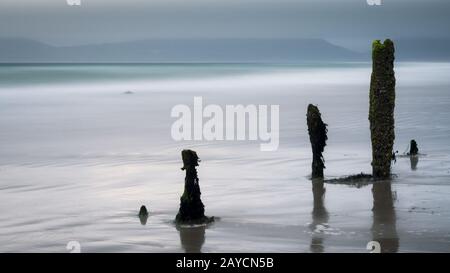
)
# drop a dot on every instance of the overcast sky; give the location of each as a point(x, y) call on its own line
point(340, 21)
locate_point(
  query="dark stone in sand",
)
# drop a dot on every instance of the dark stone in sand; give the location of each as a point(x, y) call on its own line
point(143, 215)
point(318, 136)
point(192, 210)
point(143, 211)
point(382, 103)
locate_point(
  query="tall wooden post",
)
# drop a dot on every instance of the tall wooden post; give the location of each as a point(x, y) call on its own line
point(382, 103)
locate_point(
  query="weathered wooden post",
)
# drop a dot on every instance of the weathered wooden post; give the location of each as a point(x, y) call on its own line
point(413, 148)
point(318, 136)
point(191, 209)
point(413, 154)
point(382, 103)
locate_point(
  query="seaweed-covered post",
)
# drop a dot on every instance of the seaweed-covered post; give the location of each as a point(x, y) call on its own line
point(318, 136)
point(382, 103)
point(191, 209)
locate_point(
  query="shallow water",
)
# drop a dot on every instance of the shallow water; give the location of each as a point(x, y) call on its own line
point(78, 157)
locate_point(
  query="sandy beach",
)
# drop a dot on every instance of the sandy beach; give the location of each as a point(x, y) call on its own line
point(79, 157)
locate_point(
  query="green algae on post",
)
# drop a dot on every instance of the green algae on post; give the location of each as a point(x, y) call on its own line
point(317, 130)
point(382, 103)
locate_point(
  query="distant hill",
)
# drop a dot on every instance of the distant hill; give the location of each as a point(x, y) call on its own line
point(17, 50)
point(172, 50)
point(422, 49)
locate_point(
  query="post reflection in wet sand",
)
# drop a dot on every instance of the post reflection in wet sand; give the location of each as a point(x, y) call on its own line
point(319, 216)
point(414, 159)
point(192, 238)
point(384, 228)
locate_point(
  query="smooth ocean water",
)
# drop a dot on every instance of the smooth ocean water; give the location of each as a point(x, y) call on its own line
point(78, 157)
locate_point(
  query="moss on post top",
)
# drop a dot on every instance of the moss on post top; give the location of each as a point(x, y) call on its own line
point(378, 45)
point(380, 48)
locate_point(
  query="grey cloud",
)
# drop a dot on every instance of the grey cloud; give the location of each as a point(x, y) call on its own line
point(98, 21)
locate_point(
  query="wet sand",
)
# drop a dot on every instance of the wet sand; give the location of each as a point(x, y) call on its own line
point(78, 160)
